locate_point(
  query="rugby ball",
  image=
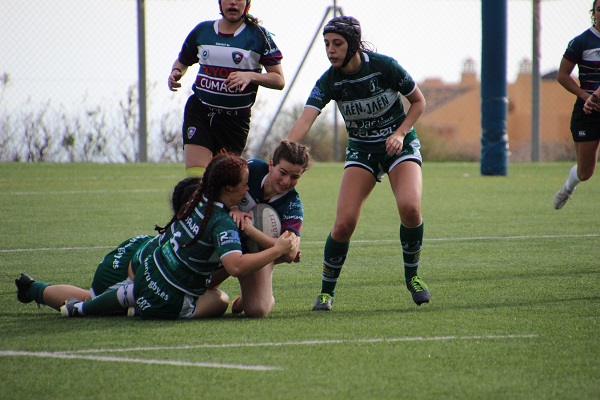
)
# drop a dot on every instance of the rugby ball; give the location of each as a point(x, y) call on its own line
point(266, 220)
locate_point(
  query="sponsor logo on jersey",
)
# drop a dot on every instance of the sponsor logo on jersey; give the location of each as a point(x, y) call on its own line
point(228, 237)
point(213, 85)
point(367, 108)
point(316, 93)
point(204, 54)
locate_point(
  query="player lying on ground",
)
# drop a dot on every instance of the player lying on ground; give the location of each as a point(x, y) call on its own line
point(113, 271)
point(174, 270)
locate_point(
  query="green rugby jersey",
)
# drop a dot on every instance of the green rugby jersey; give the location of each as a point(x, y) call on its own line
point(189, 269)
point(368, 100)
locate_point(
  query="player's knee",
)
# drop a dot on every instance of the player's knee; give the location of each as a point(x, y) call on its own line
point(410, 215)
point(585, 175)
point(259, 309)
point(342, 230)
point(215, 304)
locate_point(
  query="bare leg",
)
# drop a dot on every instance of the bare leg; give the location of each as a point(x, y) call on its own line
point(196, 156)
point(407, 184)
point(56, 295)
point(257, 292)
point(211, 304)
point(587, 156)
point(355, 187)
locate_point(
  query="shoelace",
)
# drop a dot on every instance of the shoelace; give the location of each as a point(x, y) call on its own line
point(416, 285)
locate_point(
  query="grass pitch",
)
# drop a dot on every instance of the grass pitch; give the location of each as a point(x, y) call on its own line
point(514, 314)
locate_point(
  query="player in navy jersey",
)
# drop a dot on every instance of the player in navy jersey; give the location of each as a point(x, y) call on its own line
point(173, 273)
point(272, 183)
point(583, 51)
point(367, 87)
point(231, 53)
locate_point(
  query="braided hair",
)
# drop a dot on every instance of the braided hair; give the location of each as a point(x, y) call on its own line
point(292, 152)
point(224, 170)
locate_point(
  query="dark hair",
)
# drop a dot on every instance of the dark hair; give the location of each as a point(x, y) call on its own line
point(293, 152)
point(223, 170)
point(182, 192)
point(592, 16)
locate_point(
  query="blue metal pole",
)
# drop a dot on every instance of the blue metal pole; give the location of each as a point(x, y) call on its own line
point(494, 102)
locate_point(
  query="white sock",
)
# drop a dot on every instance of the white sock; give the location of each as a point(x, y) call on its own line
point(573, 180)
point(79, 307)
point(125, 295)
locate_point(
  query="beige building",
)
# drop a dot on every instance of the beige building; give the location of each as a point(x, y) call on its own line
point(453, 116)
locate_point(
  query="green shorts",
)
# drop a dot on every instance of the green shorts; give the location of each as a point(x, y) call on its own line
point(376, 160)
point(112, 270)
point(156, 298)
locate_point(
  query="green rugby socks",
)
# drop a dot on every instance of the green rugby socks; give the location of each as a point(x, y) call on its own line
point(335, 254)
point(411, 240)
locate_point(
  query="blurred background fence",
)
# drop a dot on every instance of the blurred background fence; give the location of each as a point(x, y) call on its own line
point(69, 68)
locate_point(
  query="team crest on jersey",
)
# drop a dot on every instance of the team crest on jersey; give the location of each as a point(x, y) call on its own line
point(191, 131)
point(237, 57)
point(204, 54)
point(374, 86)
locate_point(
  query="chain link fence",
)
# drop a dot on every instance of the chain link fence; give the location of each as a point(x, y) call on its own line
point(69, 68)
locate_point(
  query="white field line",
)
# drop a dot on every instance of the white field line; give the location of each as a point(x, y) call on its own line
point(462, 239)
point(84, 354)
point(309, 343)
point(6, 353)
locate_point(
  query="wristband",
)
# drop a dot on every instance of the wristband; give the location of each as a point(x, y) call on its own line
point(176, 69)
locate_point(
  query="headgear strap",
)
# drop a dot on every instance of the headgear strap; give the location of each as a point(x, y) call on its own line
point(349, 28)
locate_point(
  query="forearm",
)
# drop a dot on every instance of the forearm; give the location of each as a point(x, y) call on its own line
point(303, 124)
point(566, 80)
point(263, 240)
point(271, 80)
point(244, 264)
point(571, 86)
point(177, 65)
point(412, 116)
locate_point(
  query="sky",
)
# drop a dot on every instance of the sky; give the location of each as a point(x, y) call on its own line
point(68, 50)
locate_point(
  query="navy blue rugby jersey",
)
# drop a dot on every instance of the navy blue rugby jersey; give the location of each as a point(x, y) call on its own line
point(249, 49)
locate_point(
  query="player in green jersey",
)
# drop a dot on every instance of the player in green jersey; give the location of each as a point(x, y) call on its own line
point(113, 271)
point(367, 88)
point(173, 274)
